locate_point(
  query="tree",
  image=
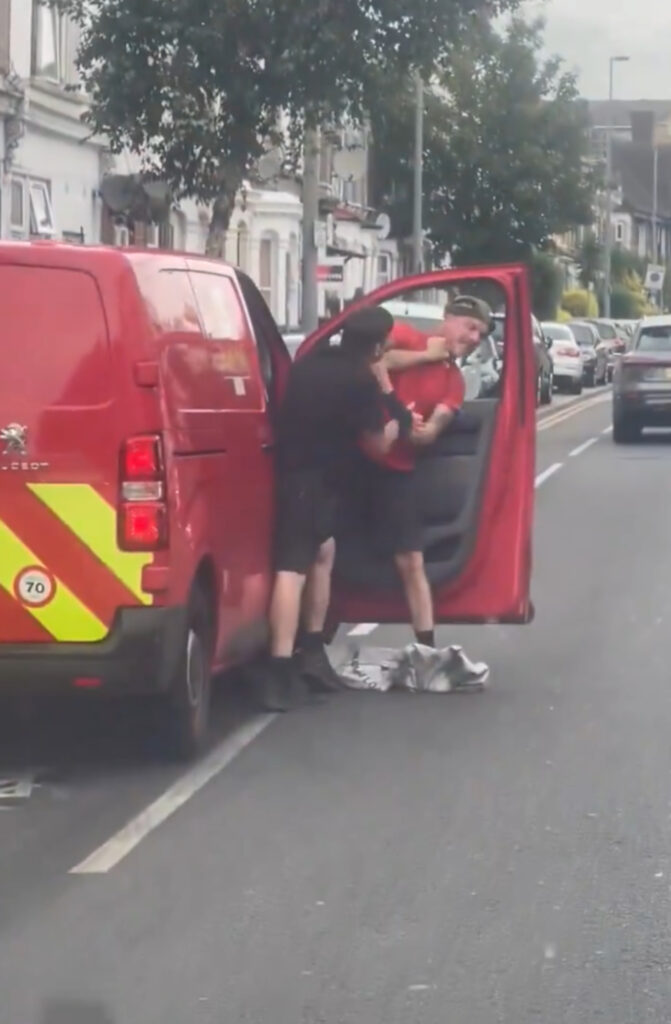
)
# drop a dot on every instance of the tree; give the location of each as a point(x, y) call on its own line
point(591, 260)
point(196, 87)
point(627, 301)
point(505, 148)
point(546, 285)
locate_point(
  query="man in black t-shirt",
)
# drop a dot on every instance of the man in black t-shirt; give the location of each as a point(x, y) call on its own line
point(333, 401)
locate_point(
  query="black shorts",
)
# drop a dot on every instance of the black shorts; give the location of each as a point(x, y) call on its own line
point(393, 512)
point(306, 518)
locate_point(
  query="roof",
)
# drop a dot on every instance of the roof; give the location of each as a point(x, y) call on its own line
point(602, 112)
point(633, 170)
point(656, 321)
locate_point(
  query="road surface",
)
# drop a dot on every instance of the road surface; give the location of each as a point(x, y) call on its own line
point(485, 859)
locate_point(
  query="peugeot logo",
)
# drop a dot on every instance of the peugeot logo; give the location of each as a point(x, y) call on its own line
point(14, 437)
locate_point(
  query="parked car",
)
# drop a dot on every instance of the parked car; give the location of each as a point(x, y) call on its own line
point(543, 358)
point(595, 367)
point(642, 382)
point(567, 357)
point(137, 500)
point(612, 344)
point(487, 364)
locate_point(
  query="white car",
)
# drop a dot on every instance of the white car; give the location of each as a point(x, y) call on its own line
point(567, 357)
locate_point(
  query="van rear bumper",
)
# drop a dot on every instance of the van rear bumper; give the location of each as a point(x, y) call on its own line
point(138, 657)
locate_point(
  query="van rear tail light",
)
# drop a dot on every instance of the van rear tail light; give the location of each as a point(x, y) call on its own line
point(144, 526)
point(137, 490)
point(142, 458)
point(143, 511)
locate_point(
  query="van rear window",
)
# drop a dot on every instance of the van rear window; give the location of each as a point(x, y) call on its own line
point(54, 344)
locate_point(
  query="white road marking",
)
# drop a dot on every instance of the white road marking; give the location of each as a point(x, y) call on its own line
point(608, 430)
point(17, 787)
point(363, 629)
point(123, 842)
point(583, 447)
point(547, 473)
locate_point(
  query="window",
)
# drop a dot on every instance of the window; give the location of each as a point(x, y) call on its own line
point(241, 246)
point(266, 334)
point(619, 232)
point(17, 206)
point(169, 297)
point(48, 42)
point(288, 288)
point(220, 310)
point(41, 214)
point(38, 326)
point(326, 164)
point(383, 269)
point(121, 236)
point(166, 235)
point(266, 275)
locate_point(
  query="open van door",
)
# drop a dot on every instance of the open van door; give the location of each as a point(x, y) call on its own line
point(476, 483)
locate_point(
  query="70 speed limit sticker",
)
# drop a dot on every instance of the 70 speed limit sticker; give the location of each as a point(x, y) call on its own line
point(34, 586)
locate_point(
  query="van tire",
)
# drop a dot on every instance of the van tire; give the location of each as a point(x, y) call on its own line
point(186, 707)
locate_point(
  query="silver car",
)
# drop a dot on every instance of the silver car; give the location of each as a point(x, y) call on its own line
point(642, 382)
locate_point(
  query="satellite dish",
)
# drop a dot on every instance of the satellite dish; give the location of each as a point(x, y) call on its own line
point(383, 225)
point(269, 165)
point(119, 191)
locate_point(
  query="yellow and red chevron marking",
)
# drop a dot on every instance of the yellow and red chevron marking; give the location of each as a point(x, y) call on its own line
point(70, 530)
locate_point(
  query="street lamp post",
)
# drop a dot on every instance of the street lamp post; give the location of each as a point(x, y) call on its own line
point(609, 184)
point(417, 215)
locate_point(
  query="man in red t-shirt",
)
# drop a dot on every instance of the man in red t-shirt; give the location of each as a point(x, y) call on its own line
point(434, 391)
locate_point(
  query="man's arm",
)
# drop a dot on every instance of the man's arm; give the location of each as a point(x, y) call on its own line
point(403, 359)
point(439, 420)
point(379, 441)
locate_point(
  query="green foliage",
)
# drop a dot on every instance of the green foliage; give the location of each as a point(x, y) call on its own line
point(546, 285)
point(628, 300)
point(505, 148)
point(625, 263)
point(580, 303)
point(196, 87)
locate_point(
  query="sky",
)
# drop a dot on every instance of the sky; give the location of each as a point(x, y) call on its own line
point(586, 33)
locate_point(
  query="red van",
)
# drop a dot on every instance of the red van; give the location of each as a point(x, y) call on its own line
point(137, 398)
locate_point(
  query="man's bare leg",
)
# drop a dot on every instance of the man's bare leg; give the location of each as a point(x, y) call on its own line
point(285, 611)
point(317, 593)
point(313, 660)
point(411, 569)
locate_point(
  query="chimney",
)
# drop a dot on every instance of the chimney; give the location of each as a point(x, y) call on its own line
point(643, 128)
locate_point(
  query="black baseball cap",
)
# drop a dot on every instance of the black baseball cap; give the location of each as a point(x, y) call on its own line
point(468, 305)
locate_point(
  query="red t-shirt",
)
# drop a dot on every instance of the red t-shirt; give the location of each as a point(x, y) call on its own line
point(428, 386)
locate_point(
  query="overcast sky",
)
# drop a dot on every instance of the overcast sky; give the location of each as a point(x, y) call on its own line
point(587, 32)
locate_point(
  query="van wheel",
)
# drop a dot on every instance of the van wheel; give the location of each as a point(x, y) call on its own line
point(187, 705)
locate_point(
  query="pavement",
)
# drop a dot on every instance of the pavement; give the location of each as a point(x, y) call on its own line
point(502, 858)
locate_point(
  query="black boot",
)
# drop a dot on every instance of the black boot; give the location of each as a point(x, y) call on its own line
point(278, 686)
point(314, 665)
